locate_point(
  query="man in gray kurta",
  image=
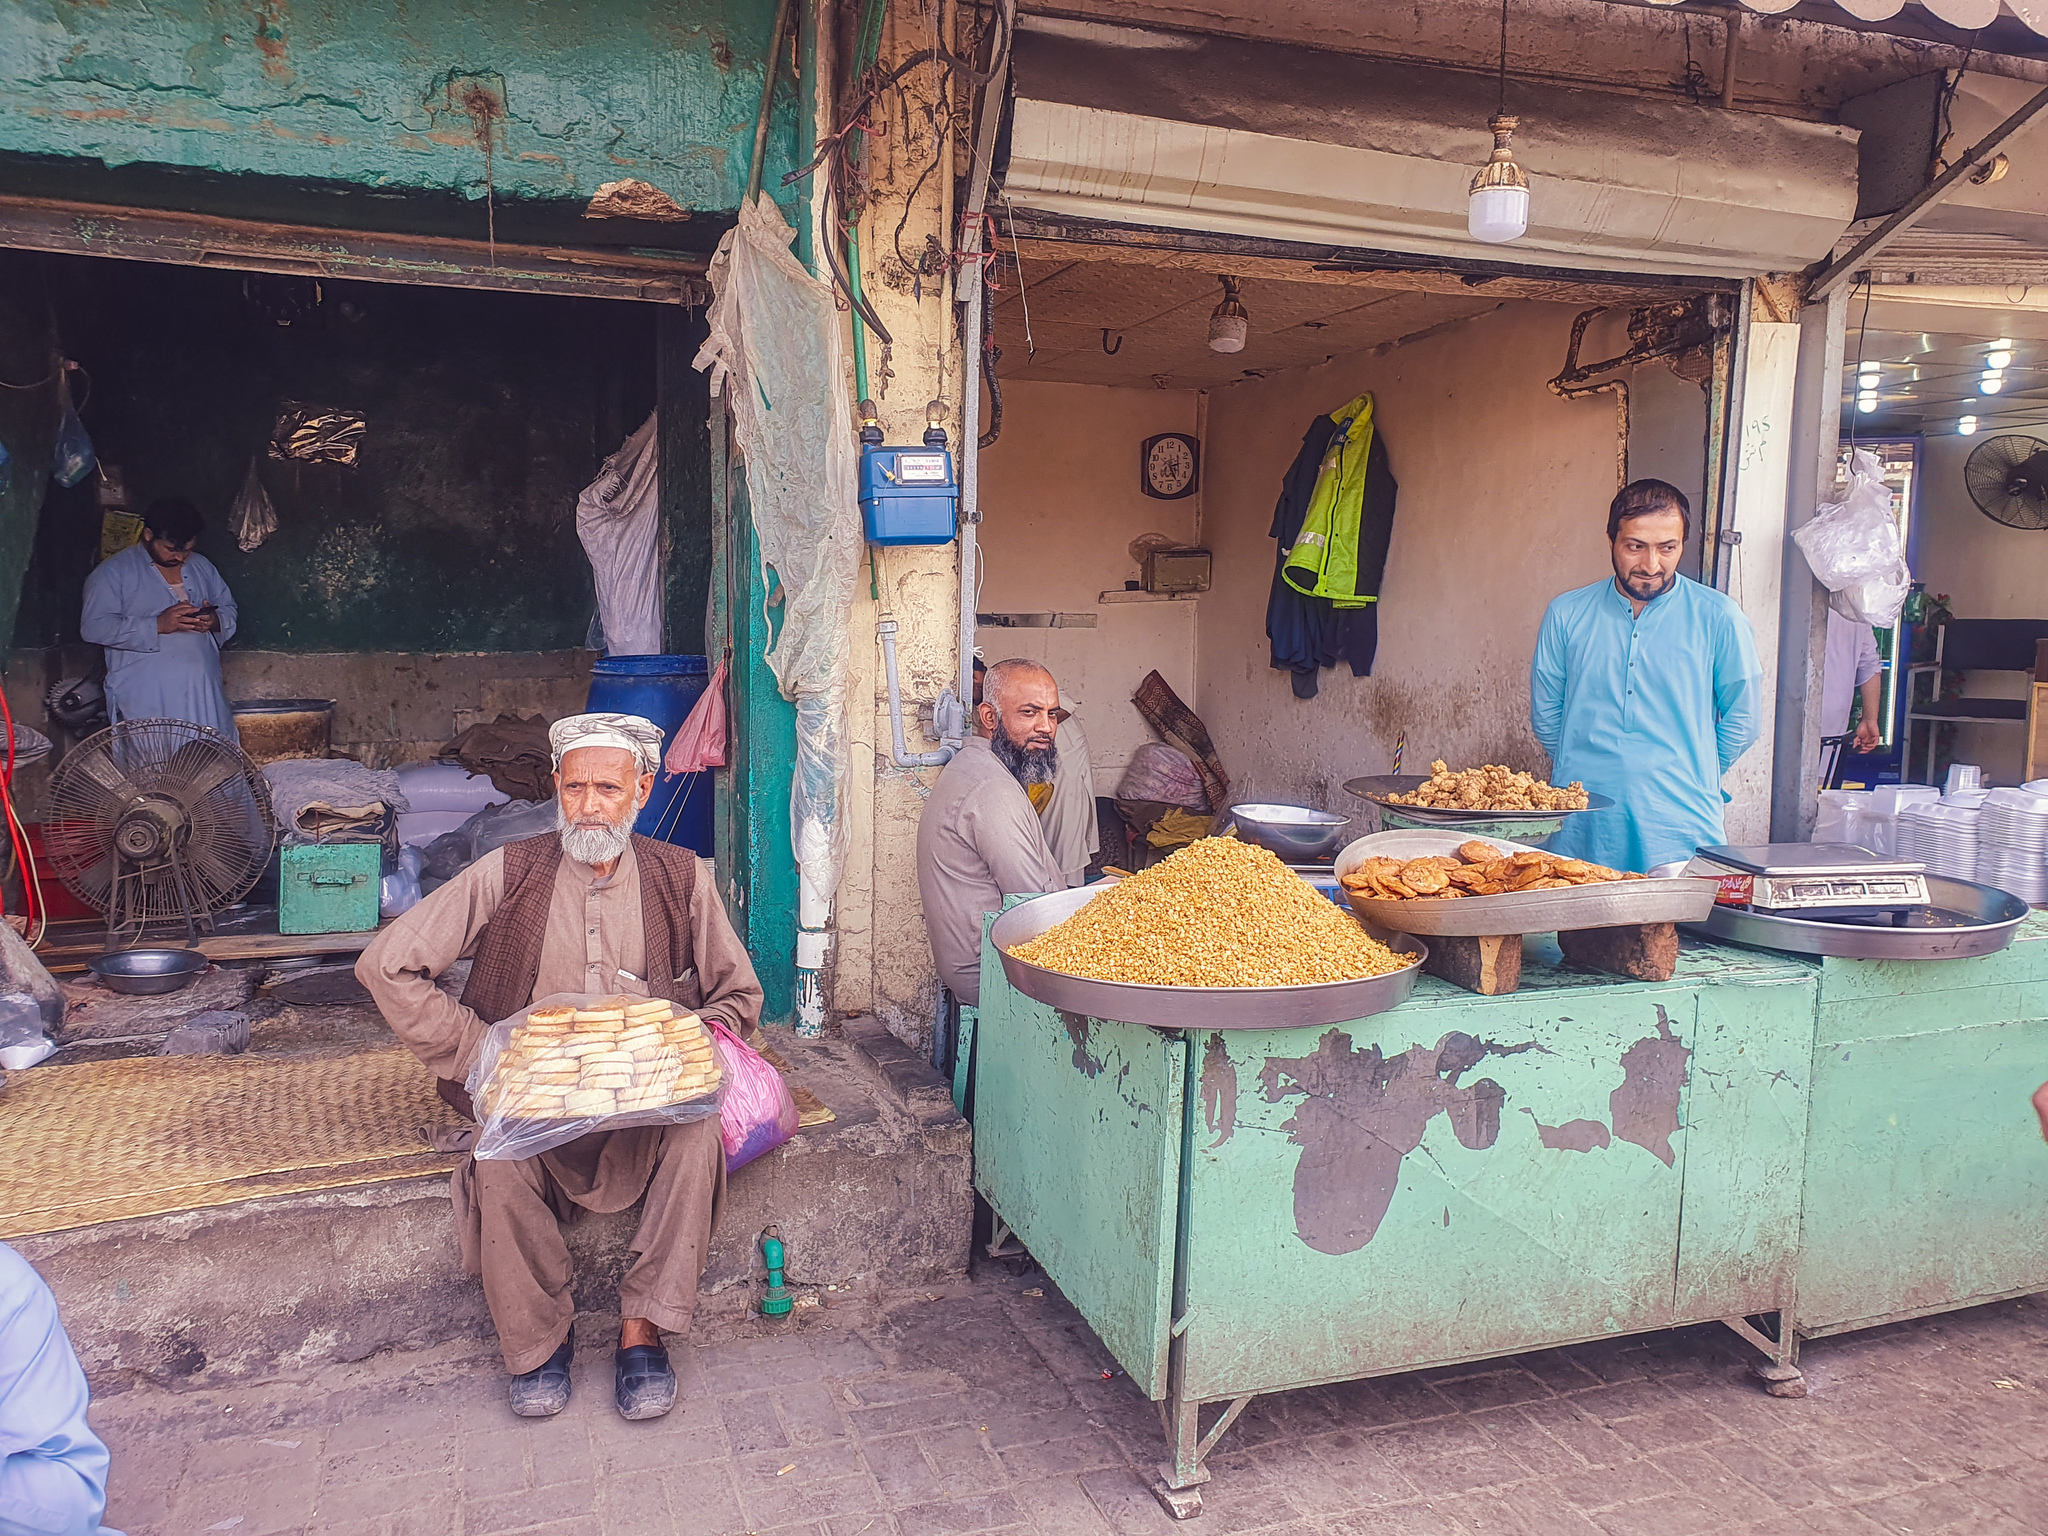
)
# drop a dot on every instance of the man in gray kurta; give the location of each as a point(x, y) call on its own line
point(592, 909)
point(979, 839)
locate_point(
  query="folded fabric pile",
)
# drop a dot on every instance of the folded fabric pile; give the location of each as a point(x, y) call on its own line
point(320, 798)
point(510, 751)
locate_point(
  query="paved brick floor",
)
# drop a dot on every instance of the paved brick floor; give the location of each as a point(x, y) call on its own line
point(986, 1409)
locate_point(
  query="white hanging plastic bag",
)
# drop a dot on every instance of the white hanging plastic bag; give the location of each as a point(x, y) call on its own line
point(777, 352)
point(252, 519)
point(618, 518)
point(1854, 550)
point(74, 457)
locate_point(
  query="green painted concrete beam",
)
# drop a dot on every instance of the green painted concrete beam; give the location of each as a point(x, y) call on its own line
point(403, 96)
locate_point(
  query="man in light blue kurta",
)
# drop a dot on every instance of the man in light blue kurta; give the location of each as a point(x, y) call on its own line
point(162, 613)
point(53, 1468)
point(1645, 688)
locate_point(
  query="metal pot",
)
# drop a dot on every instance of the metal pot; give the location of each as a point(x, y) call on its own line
point(147, 972)
point(1298, 834)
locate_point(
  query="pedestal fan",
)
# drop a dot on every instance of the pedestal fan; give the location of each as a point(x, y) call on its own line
point(155, 820)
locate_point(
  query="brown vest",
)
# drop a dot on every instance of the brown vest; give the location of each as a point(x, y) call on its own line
point(507, 961)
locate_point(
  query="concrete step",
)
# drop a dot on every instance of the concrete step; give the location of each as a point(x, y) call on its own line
point(880, 1199)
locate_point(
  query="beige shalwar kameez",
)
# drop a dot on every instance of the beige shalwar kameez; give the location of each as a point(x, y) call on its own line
point(977, 842)
point(508, 1213)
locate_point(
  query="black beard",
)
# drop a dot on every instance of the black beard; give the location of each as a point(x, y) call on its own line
point(1629, 588)
point(1028, 765)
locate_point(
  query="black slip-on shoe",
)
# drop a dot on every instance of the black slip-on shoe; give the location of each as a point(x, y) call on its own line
point(646, 1382)
point(543, 1392)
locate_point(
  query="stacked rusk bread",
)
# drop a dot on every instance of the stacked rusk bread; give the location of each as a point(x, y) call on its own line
point(619, 1055)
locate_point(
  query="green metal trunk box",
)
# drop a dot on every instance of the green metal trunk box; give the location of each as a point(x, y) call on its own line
point(328, 887)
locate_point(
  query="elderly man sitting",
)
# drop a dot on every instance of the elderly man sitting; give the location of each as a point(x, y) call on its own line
point(592, 909)
point(979, 839)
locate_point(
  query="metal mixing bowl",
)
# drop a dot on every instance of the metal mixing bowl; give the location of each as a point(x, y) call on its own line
point(1297, 834)
point(147, 972)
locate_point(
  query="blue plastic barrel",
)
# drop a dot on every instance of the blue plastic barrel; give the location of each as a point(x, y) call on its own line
point(663, 689)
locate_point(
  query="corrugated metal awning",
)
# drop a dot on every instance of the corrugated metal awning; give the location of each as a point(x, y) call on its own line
point(1260, 140)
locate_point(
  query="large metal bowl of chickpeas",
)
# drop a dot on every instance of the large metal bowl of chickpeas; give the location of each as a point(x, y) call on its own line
point(1220, 935)
point(1445, 884)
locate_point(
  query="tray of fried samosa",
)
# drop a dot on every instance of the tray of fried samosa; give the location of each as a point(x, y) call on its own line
point(1441, 883)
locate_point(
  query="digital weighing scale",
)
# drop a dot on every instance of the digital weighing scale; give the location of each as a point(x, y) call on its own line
point(1813, 880)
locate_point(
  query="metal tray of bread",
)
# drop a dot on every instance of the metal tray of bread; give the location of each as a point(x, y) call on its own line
point(1608, 904)
point(1380, 789)
point(1328, 1002)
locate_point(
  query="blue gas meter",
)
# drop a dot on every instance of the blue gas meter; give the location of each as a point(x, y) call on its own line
point(907, 495)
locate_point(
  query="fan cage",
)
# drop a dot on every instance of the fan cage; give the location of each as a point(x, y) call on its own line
point(174, 777)
point(2007, 477)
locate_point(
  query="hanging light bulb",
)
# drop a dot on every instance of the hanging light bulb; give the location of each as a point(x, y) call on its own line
point(1867, 401)
point(1228, 323)
point(1991, 383)
point(1999, 360)
point(1499, 207)
point(1967, 426)
point(1868, 370)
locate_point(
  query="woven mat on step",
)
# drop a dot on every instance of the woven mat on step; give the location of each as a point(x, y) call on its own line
point(107, 1140)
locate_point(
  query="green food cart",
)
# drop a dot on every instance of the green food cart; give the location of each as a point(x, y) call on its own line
point(1790, 1146)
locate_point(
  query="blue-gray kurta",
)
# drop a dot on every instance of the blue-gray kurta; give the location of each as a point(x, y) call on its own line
point(1651, 710)
point(152, 676)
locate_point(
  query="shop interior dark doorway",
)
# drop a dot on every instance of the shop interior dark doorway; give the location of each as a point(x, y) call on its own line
point(454, 529)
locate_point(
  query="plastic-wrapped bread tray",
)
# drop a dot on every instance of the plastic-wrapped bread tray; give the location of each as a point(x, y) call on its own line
point(576, 1063)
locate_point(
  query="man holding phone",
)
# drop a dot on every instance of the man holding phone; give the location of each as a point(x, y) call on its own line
point(162, 613)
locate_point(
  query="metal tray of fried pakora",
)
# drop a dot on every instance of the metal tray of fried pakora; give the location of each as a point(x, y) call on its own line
point(1380, 789)
point(1604, 904)
point(1325, 1002)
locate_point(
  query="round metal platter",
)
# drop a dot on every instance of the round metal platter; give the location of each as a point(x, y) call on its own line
point(1609, 904)
point(1378, 787)
point(1329, 1002)
point(1963, 919)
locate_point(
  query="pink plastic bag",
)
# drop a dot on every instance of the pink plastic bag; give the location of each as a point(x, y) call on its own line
point(757, 1114)
point(700, 740)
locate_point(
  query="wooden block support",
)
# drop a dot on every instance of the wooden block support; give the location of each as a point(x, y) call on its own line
point(1490, 966)
point(2037, 728)
point(1641, 952)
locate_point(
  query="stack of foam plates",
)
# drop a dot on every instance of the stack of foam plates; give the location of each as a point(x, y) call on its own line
point(1880, 818)
point(2012, 843)
point(1948, 834)
point(1910, 832)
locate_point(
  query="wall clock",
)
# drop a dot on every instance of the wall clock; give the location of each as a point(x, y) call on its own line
point(1170, 466)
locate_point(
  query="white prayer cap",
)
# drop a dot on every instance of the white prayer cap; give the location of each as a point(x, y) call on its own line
point(630, 733)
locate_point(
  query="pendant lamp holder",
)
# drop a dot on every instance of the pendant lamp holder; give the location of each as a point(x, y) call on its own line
point(1498, 210)
point(1229, 324)
point(1500, 169)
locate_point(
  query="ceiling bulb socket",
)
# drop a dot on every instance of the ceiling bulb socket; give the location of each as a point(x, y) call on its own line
point(1229, 324)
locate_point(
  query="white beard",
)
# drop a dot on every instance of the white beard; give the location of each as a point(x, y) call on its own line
point(593, 845)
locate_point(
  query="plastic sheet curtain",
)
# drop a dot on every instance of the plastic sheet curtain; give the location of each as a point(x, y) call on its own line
point(777, 352)
point(1969, 15)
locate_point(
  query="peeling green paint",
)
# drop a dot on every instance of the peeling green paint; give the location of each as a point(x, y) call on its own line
point(381, 93)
